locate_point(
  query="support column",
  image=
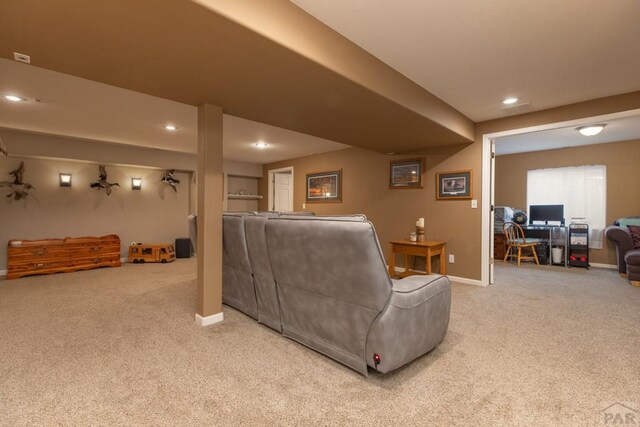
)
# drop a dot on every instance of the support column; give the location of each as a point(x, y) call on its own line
point(210, 197)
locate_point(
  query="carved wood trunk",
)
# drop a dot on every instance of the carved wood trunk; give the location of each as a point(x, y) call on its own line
point(27, 257)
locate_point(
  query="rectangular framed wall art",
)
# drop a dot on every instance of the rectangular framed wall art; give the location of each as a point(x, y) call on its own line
point(406, 173)
point(324, 187)
point(454, 185)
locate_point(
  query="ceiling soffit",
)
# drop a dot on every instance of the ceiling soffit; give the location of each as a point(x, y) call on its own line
point(183, 52)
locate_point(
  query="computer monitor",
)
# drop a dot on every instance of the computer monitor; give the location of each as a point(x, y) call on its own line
point(546, 213)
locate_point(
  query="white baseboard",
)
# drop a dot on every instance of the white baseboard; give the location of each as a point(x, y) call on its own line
point(124, 259)
point(3, 273)
point(607, 266)
point(209, 320)
point(466, 281)
point(456, 279)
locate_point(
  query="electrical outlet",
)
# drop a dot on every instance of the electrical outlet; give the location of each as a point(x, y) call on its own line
point(474, 204)
point(304, 206)
point(452, 258)
point(21, 57)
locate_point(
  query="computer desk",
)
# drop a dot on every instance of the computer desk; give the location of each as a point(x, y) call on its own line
point(555, 235)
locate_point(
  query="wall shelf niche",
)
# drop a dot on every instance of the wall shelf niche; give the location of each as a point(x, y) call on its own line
point(236, 184)
point(244, 196)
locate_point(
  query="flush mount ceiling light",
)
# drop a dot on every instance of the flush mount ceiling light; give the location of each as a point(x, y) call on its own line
point(170, 127)
point(14, 98)
point(65, 180)
point(136, 183)
point(262, 145)
point(590, 130)
point(509, 101)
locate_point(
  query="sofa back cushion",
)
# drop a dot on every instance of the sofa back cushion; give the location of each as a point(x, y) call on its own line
point(626, 221)
point(634, 230)
point(265, 285)
point(238, 290)
point(332, 282)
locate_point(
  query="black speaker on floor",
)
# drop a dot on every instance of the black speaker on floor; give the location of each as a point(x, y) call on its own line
point(183, 247)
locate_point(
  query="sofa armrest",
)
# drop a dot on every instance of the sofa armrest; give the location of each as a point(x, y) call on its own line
point(619, 235)
point(414, 321)
point(624, 242)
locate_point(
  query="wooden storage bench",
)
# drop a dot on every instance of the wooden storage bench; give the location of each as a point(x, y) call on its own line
point(27, 257)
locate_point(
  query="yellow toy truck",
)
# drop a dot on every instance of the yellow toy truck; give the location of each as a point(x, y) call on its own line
point(139, 253)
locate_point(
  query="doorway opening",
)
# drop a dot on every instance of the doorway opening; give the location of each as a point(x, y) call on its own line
point(281, 189)
point(489, 173)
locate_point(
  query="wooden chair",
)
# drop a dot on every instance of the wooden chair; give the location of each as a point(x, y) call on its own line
point(516, 240)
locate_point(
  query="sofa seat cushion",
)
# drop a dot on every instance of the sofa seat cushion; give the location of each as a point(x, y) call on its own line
point(632, 257)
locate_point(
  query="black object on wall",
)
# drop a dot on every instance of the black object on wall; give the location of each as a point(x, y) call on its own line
point(183, 247)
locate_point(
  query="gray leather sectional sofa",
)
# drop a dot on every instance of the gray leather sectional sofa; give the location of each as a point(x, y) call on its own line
point(323, 282)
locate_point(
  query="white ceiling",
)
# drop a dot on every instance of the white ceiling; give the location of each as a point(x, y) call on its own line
point(624, 129)
point(546, 52)
point(84, 109)
point(472, 54)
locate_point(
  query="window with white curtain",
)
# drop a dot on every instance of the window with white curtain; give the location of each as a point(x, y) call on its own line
point(581, 189)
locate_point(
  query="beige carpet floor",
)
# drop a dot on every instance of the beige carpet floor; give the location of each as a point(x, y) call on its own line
point(119, 347)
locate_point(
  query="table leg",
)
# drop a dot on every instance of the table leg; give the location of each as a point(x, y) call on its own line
point(392, 264)
point(428, 260)
point(443, 262)
point(406, 264)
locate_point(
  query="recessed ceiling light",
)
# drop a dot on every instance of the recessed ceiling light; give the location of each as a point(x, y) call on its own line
point(261, 144)
point(591, 130)
point(14, 98)
point(510, 100)
point(170, 127)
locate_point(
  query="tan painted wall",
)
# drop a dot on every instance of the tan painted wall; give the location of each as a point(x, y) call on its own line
point(153, 214)
point(393, 212)
point(622, 160)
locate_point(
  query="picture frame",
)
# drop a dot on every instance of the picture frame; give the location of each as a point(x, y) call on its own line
point(324, 187)
point(407, 173)
point(454, 185)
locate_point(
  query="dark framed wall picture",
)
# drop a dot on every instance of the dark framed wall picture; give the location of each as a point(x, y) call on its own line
point(324, 187)
point(406, 173)
point(454, 185)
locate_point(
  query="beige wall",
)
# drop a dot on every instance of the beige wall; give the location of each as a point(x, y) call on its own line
point(366, 190)
point(394, 211)
point(622, 160)
point(153, 214)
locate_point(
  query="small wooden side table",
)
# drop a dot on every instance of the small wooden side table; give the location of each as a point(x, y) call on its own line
point(427, 249)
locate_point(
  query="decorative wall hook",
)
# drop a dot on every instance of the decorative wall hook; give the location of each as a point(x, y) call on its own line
point(102, 181)
point(168, 178)
point(3, 149)
point(19, 188)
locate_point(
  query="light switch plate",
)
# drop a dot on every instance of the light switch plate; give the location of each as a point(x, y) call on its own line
point(474, 204)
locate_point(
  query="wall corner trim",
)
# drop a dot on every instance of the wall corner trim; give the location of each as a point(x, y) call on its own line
point(209, 320)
